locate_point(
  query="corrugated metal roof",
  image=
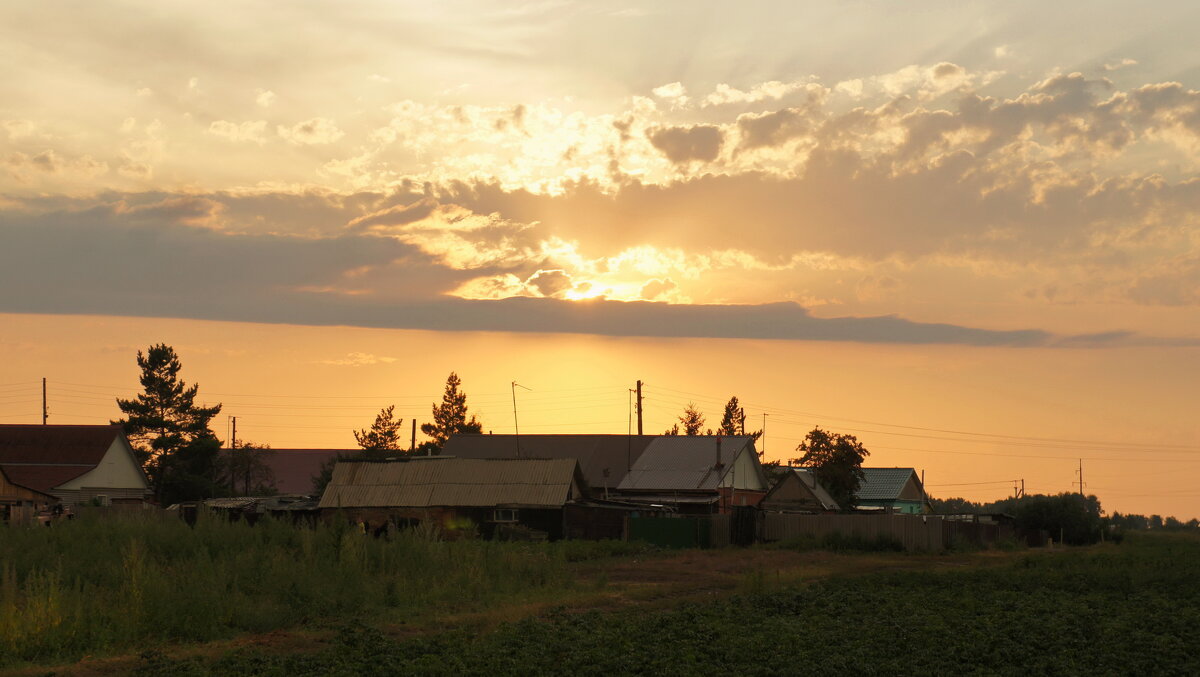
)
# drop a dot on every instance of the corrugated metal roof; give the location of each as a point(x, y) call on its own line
point(883, 484)
point(604, 459)
point(450, 482)
point(43, 478)
point(683, 463)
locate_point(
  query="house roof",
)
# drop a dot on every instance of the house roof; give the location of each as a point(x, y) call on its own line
point(604, 459)
point(883, 484)
point(56, 444)
point(818, 490)
point(683, 463)
point(293, 469)
point(451, 482)
point(42, 457)
point(25, 481)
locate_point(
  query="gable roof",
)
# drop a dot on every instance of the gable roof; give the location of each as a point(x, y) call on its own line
point(452, 482)
point(56, 444)
point(42, 457)
point(604, 459)
point(814, 485)
point(883, 484)
point(683, 463)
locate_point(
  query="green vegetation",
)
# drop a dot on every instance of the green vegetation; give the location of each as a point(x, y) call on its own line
point(118, 584)
point(1129, 609)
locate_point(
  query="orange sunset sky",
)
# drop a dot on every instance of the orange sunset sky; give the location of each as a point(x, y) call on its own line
point(965, 232)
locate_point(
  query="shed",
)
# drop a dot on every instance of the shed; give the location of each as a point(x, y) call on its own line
point(892, 489)
point(76, 464)
point(456, 494)
point(799, 491)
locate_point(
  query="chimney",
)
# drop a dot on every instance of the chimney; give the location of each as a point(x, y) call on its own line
point(718, 464)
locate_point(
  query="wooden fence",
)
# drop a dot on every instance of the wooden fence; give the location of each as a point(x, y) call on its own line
point(914, 532)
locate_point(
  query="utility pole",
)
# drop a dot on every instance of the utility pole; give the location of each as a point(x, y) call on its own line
point(412, 445)
point(763, 437)
point(1081, 477)
point(233, 439)
point(45, 409)
point(516, 428)
point(639, 406)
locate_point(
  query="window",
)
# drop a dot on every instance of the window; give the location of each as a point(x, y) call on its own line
point(504, 515)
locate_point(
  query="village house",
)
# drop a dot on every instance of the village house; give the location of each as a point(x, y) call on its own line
point(494, 498)
point(892, 490)
point(799, 491)
point(705, 474)
point(74, 464)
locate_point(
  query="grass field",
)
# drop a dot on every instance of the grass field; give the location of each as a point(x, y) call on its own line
point(113, 585)
point(1115, 609)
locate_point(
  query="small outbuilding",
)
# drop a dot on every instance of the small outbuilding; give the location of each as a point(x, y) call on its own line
point(799, 491)
point(520, 498)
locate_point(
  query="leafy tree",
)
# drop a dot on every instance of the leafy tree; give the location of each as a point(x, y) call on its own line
point(450, 417)
point(169, 431)
point(246, 464)
point(672, 431)
point(384, 433)
point(836, 460)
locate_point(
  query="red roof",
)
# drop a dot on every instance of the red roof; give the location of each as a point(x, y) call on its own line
point(42, 457)
point(56, 444)
point(294, 469)
point(42, 478)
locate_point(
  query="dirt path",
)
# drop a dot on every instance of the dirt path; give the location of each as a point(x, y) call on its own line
point(656, 581)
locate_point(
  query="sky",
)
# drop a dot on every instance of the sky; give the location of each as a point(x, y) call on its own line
point(964, 232)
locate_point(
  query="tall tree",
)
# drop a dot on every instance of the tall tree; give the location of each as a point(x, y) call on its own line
point(733, 421)
point(384, 433)
point(450, 417)
point(692, 420)
point(169, 431)
point(836, 460)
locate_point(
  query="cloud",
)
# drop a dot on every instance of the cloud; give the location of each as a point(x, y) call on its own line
point(17, 129)
point(656, 288)
point(264, 98)
point(674, 92)
point(550, 283)
point(682, 145)
point(252, 130)
point(772, 90)
point(1117, 65)
point(311, 132)
point(359, 360)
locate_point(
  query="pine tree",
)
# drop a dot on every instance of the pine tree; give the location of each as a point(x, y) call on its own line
point(384, 433)
point(450, 417)
point(692, 420)
point(169, 431)
point(733, 422)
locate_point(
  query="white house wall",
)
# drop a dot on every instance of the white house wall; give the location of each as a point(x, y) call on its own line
point(117, 470)
point(743, 474)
